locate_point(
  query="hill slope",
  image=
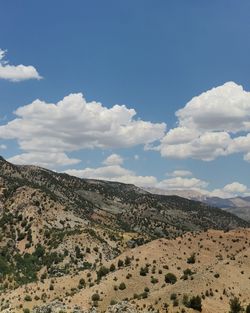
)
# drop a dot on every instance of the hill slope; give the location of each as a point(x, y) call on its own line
point(56, 230)
point(129, 207)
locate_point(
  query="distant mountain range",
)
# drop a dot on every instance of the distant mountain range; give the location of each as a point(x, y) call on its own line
point(239, 206)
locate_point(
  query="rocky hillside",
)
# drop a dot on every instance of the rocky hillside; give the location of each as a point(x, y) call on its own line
point(59, 236)
point(121, 206)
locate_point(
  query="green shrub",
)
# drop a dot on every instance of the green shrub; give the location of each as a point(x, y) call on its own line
point(82, 283)
point(235, 305)
point(191, 259)
point(144, 271)
point(173, 296)
point(154, 280)
point(95, 297)
point(120, 263)
point(195, 303)
point(122, 286)
point(188, 272)
point(103, 271)
point(27, 298)
point(127, 261)
point(144, 295)
point(170, 278)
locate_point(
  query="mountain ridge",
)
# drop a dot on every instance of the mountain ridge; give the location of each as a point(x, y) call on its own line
point(88, 196)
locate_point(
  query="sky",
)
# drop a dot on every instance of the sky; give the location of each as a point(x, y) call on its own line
point(155, 93)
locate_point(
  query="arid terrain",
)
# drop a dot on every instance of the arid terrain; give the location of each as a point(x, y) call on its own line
point(75, 245)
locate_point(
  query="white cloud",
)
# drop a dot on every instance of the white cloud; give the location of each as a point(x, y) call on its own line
point(114, 173)
point(16, 73)
point(180, 173)
point(73, 124)
point(247, 157)
point(215, 123)
point(230, 190)
point(235, 187)
point(113, 159)
point(181, 183)
point(3, 147)
point(224, 108)
point(44, 159)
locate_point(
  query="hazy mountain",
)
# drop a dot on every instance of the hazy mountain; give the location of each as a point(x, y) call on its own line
point(239, 206)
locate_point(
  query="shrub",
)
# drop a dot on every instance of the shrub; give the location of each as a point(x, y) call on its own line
point(27, 298)
point(120, 263)
point(195, 303)
point(95, 297)
point(127, 261)
point(191, 259)
point(112, 267)
point(51, 287)
point(248, 308)
point(170, 278)
point(173, 296)
point(235, 305)
point(154, 280)
point(122, 286)
point(102, 272)
point(188, 272)
point(144, 295)
point(82, 283)
point(144, 271)
point(185, 300)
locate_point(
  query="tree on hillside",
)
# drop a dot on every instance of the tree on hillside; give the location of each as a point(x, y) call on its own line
point(235, 305)
point(248, 308)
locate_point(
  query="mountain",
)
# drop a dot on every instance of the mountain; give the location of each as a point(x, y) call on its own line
point(64, 240)
point(239, 206)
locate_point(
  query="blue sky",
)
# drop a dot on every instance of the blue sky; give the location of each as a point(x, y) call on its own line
point(151, 56)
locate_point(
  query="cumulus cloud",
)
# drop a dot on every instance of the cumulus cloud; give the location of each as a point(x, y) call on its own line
point(16, 73)
point(113, 159)
point(235, 187)
point(114, 173)
point(73, 124)
point(215, 123)
point(44, 159)
point(180, 173)
point(181, 183)
point(230, 191)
